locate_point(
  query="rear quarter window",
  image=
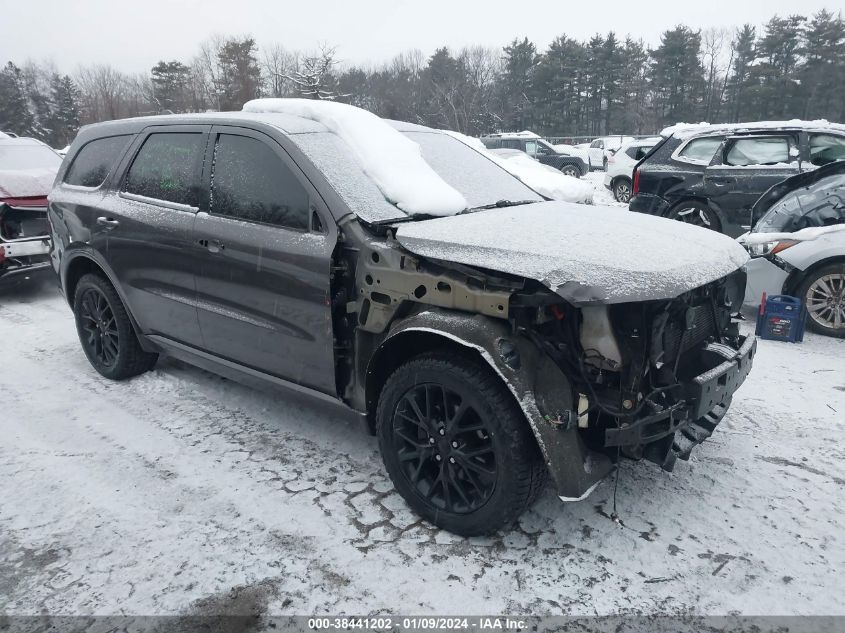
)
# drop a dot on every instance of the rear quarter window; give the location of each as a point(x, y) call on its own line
point(701, 150)
point(95, 160)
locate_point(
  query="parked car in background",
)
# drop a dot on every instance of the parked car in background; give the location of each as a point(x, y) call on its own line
point(478, 330)
point(620, 167)
point(711, 176)
point(798, 246)
point(536, 147)
point(543, 179)
point(601, 149)
point(27, 170)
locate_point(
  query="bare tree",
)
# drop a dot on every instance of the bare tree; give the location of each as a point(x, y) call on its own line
point(315, 78)
point(714, 43)
point(277, 66)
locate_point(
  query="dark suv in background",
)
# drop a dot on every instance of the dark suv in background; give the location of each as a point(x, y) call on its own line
point(711, 176)
point(539, 149)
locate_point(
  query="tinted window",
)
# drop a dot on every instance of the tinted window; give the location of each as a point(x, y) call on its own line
point(758, 151)
point(22, 155)
point(596, 144)
point(642, 151)
point(511, 144)
point(95, 160)
point(165, 168)
point(701, 149)
point(252, 183)
point(826, 148)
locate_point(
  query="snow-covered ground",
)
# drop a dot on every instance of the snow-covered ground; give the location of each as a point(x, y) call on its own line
point(182, 492)
point(602, 194)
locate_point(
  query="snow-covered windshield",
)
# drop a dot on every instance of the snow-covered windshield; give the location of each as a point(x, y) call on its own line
point(820, 204)
point(476, 177)
point(14, 157)
point(480, 180)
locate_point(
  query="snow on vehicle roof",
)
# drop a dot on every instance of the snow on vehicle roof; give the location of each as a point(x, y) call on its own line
point(392, 160)
point(523, 134)
point(684, 131)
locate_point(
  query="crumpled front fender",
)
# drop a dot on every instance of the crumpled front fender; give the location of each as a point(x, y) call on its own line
point(542, 391)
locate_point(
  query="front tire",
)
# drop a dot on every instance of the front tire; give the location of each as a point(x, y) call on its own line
point(823, 294)
point(456, 446)
point(105, 331)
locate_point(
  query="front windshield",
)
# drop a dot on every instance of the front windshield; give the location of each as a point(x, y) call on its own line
point(481, 181)
point(14, 157)
point(820, 204)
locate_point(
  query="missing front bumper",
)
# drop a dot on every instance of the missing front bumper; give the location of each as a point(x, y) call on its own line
point(674, 431)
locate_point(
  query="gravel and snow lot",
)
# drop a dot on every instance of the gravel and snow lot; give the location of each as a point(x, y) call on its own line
point(182, 492)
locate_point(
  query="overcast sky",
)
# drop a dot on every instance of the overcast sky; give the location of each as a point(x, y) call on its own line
point(133, 35)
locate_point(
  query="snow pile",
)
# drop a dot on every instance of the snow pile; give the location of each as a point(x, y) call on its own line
point(687, 130)
point(543, 179)
point(388, 157)
point(2, 135)
point(587, 255)
point(804, 235)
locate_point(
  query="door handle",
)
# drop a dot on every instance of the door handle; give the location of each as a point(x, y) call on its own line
point(722, 180)
point(107, 222)
point(213, 246)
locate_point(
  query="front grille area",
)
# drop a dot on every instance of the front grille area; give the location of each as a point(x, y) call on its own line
point(701, 327)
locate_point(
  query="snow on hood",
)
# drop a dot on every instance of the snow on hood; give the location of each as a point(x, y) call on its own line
point(23, 183)
point(687, 130)
point(545, 180)
point(585, 254)
point(392, 160)
point(803, 235)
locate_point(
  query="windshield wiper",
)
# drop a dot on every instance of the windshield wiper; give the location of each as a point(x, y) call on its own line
point(499, 204)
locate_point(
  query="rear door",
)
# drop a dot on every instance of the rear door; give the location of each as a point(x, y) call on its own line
point(148, 223)
point(744, 167)
point(264, 241)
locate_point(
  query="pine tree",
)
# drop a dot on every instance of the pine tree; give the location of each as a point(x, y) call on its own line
point(740, 88)
point(239, 78)
point(520, 61)
point(170, 82)
point(822, 73)
point(15, 115)
point(64, 119)
point(677, 76)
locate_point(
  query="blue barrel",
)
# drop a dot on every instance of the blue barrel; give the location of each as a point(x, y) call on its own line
point(781, 318)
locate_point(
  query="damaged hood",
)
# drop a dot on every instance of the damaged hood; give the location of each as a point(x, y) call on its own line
point(26, 183)
point(586, 254)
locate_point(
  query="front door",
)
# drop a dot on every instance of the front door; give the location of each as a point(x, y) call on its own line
point(149, 221)
point(264, 244)
point(743, 168)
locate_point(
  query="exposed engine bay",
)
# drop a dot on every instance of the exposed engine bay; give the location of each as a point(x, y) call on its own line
point(24, 239)
point(642, 380)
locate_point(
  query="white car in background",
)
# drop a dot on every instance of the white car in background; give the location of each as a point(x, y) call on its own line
point(543, 179)
point(797, 247)
point(620, 167)
point(602, 148)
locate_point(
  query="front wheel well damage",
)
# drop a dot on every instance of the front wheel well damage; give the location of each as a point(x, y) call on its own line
point(399, 349)
point(797, 277)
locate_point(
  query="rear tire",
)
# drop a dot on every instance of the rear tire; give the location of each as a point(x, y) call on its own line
point(456, 445)
point(696, 214)
point(622, 190)
point(105, 330)
point(570, 170)
point(823, 294)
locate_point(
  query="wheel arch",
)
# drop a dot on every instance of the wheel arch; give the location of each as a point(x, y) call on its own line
point(702, 200)
point(797, 277)
point(84, 262)
point(539, 388)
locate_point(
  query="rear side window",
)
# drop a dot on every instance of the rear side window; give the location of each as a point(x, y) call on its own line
point(701, 149)
point(826, 148)
point(511, 144)
point(250, 182)
point(165, 167)
point(758, 151)
point(95, 161)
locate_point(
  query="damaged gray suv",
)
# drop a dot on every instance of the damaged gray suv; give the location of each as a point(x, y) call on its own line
point(490, 343)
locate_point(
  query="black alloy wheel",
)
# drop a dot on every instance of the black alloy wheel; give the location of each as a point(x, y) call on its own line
point(445, 448)
point(101, 339)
